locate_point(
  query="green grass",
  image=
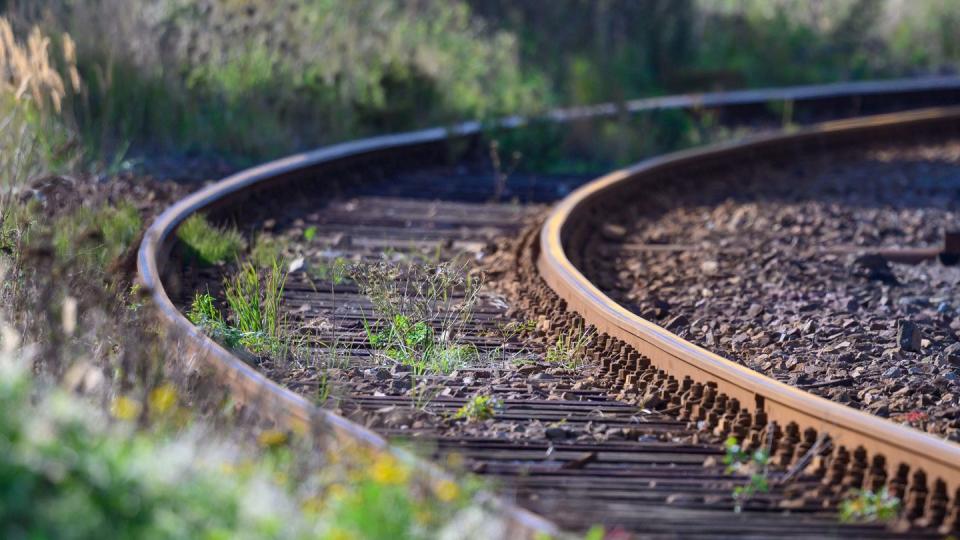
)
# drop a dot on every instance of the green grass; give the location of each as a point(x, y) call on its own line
point(422, 312)
point(266, 250)
point(478, 409)
point(569, 349)
point(69, 471)
point(208, 244)
point(96, 236)
point(254, 299)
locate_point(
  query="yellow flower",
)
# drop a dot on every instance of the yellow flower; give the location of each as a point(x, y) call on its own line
point(336, 491)
point(446, 490)
point(387, 470)
point(125, 408)
point(422, 517)
point(313, 505)
point(272, 438)
point(339, 534)
point(162, 398)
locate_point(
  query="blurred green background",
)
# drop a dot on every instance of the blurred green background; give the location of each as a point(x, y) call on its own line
point(251, 79)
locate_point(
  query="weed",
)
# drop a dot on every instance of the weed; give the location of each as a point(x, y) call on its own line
point(336, 270)
point(478, 409)
point(569, 350)
point(501, 174)
point(208, 244)
point(423, 312)
point(756, 465)
point(204, 313)
point(266, 250)
point(869, 506)
point(310, 233)
point(254, 302)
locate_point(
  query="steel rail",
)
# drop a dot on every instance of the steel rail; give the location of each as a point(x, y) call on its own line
point(781, 403)
point(285, 407)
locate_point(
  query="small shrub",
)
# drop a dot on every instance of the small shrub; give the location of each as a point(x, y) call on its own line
point(869, 506)
point(755, 465)
point(208, 244)
point(478, 409)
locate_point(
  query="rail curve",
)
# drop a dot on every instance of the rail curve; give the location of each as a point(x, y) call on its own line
point(925, 456)
point(285, 407)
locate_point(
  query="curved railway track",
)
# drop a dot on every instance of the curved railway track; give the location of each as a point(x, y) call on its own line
point(653, 470)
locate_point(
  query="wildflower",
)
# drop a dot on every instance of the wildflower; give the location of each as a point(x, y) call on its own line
point(272, 438)
point(338, 534)
point(387, 470)
point(313, 505)
point(336, 491)
point(124, 408)
point(162, 398)
point(447, 491)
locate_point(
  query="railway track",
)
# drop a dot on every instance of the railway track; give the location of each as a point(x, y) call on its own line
point(627, 438)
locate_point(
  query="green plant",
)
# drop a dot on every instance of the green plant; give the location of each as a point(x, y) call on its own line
point(208, 244)
point(478, 409)
point(96, 236)
point(755, 465)
point(204, 313)
point(266, 250)
point(866, 505)
point(569, 349)
point(310, 233)
point(422, 313)
point(255, 300)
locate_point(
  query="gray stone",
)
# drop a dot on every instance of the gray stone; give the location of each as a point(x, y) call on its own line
point(908, 336)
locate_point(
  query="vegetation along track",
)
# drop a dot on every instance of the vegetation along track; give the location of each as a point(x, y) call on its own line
point(567, 438)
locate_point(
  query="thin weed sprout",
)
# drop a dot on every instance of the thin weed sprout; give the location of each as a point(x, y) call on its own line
point(755, 465)
point(569, 349)
point(423, 312)
point(501, 174)
point(507, 332)
point(336, 273)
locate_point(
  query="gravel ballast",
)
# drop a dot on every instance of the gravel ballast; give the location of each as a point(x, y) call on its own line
point(775, 267)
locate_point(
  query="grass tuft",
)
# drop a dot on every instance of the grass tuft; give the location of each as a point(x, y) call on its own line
point(254, 300)
point(208, 244)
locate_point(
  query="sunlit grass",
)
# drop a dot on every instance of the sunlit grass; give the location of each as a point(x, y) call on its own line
point(209, 244)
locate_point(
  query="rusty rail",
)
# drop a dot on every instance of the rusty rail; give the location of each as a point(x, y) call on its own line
point(925, 456)
point(284, 407)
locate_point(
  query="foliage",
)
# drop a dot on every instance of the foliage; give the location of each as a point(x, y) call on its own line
point(755, 465)
point(70, 472)
point(869, 506)
point(569, 350)
point(478, 408)
point(422, 313)
point(266, 251)
point(205, 314)
point(256, 78)
point(254, 298)
point(208, 244)
point(97, 237)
